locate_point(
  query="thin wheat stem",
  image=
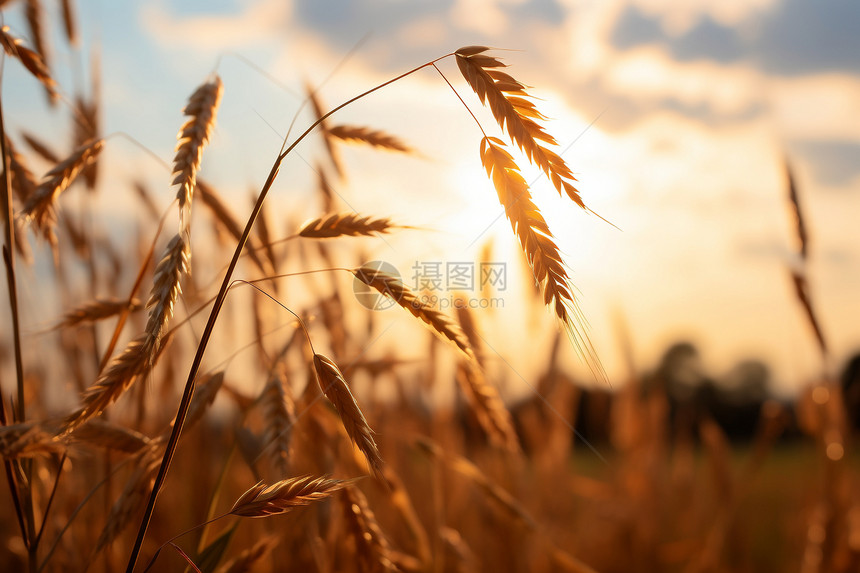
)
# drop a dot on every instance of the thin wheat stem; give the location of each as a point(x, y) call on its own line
point(282, 305)
point(177, 536)
point(456, 93)
point(9, 259)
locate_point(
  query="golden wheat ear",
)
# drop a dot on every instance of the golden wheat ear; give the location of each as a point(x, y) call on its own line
point(345, 224)
point(335, 388)
point(538, 244)
point(31, 60)
point(40, 206)
point(266, 500)
point(516, 114)
point(367, 136)
point(195, 133)
point(393, 288)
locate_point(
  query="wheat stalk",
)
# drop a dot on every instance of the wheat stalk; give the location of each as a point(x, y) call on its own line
point(193, 136)
point(335, 388)
point(349, 224)
point(374, 138)
point(372, 548)
point(515, 114)
point(393, 288)
point(95, 310)
point(39, 207)
point(266, 500)
point(31, 60)
point(537, 242)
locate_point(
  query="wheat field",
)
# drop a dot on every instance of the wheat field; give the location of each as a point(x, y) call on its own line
point(205, 399)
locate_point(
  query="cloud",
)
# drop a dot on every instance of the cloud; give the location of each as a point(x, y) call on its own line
point(216, 32)
point(792, 38)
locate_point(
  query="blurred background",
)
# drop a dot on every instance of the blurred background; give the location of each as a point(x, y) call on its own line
point(718, 143)
point(677, 117)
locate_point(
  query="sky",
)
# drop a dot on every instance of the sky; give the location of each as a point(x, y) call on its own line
point(676, 117)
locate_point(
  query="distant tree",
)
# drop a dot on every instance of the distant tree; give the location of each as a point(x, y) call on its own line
point(851, 391)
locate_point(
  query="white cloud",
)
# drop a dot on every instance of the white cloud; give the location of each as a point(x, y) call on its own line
point(677, 17)
point(482, 16)
point(821, 107)
point(210, 32)
point(649, 73)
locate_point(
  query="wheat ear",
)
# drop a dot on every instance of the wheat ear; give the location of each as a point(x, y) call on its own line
point(345, 224)
point(40, 206)
point(31, 60)
point(279, 412)
point(392, 287)
point(166, 289)
point(95, 310)
point(367, 136)
point(335, 388)
point(266, 500)
point(515, 114)
point(27, 440)
point(141, 353)
point(537, 242)
point(201, 110)
point(372, 548)
point(485, 402)
point(23, 181)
